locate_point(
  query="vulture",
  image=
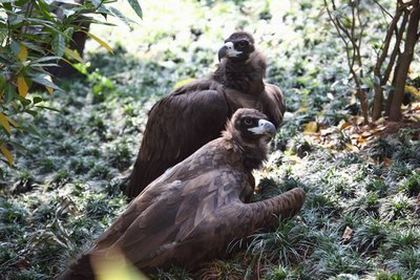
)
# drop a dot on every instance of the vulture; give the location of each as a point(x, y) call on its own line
point(193, 211)
point(196, 113)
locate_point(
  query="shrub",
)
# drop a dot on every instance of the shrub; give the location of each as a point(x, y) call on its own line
point(35, 36)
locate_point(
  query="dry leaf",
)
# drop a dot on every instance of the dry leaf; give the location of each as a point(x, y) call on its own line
point(50, 90)
point(4, 121)
point(348, 233)
point(310, 127)
point(23, 53)
point(7, 154)
point(343, 124)
point(387, 162)
point(22, 86)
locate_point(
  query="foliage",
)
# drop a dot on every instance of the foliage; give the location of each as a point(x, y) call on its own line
point(353, 21)
point(360, 218)
point(34, 37)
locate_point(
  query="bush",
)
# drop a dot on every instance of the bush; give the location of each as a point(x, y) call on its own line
point(35, 36)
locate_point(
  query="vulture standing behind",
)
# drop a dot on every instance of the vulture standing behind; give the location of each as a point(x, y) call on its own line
point(196, 208)
point(196, 113)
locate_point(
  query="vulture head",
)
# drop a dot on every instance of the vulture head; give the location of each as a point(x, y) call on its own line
point(237, 47)
point(251, 130)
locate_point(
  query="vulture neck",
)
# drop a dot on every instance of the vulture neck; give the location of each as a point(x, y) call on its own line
point(250, 155)
point(244, 76)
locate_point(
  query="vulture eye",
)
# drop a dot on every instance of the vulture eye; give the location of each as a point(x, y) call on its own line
point(247, 121)
point(242, 44)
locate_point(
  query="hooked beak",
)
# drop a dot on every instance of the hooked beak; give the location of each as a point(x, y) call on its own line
point(222, 53)
point(264, 128)
point(228, 50)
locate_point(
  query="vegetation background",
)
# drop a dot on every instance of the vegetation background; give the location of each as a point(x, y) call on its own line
point(361, 216)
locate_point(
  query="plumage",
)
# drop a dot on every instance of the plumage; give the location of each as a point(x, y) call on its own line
point(196, 208)
point(195, 114)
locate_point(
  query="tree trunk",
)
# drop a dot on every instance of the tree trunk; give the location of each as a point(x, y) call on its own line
point(378, 99)
point(404, 62)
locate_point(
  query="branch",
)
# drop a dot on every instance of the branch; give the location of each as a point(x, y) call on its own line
point(396, 50)
point(385, 46)
point(385, 11)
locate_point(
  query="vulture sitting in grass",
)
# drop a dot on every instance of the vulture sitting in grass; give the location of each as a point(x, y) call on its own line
point(195, 209)
point(196, 113)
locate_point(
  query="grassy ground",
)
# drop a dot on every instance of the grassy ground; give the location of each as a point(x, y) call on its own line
point(361, 216)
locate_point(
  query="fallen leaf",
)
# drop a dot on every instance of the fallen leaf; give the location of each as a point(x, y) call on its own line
point(387, 162)
point(310, 127)
point(347, 235)
point(343, 124)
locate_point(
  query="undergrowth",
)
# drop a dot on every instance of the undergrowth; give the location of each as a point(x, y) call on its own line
point(361, 215)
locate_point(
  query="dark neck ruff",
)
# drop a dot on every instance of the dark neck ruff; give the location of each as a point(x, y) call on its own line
point(251, 157)
point(242, 76)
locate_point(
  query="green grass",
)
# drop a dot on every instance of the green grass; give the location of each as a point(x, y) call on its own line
point(66, 187)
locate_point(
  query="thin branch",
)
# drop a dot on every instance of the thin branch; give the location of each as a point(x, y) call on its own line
point(385, 11)
point(396, 50)
point(385, 46)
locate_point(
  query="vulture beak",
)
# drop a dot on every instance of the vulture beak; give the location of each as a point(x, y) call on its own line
point(228, 50)
point(264, 128)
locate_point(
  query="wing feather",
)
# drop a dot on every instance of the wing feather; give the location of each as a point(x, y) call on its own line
point(177, 126)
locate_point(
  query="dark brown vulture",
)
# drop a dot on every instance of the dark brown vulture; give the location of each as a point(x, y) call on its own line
point(196, 113)
point(196, 208)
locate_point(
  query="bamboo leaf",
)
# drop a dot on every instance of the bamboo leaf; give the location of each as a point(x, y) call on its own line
point(45, 80)
point(100, 41)
point(23, 53)
point(58, 44)
point(136, 7)
point(122, 17)
point(23, 87)
point(7, 154)
point(4, 121)
point(73, 54)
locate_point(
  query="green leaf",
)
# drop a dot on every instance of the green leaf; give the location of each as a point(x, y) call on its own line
point(136, 7)
point(14, 46)
point(100, 41)
point(58, 44)
point(48, 108)
point(73, 54)
point(122, 17)
point(68, 33)
point(97, 3)
point(37, 99)
point(33, 46)
point(44, 80)
point(10, 92)
point(45, 59)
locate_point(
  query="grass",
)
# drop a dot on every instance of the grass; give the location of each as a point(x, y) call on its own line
point(361, 215)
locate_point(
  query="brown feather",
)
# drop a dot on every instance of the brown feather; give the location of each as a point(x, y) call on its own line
point(196, 113)
point(196, 208)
